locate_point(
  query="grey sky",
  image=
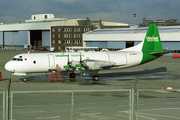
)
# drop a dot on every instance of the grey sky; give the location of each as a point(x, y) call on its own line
point(106, 10)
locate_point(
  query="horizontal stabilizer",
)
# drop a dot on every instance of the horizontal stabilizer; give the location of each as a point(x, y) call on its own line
point(162, 52)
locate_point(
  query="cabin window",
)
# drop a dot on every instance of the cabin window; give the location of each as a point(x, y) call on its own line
point(17, 59)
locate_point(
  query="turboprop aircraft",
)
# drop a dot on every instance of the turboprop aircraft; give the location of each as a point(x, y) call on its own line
point(89, 63)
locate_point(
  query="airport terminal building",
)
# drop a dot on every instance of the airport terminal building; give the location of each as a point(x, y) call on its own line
point(127, 37)
point(35, 32)
point(43, 30)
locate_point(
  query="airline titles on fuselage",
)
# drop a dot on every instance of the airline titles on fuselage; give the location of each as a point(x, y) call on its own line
point(67, 55)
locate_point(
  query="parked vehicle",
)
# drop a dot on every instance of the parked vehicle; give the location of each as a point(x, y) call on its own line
point(176, 56)
point(42, 49)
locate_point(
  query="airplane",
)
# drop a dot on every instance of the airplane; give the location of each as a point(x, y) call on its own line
point(89, 63)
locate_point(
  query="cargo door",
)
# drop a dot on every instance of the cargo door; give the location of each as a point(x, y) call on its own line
point(51, 60)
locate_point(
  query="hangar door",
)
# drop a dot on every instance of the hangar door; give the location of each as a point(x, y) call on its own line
point(36, 38)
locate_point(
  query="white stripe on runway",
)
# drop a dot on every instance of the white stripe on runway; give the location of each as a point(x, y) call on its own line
point(160, 115)
point(31, 111)
point(91, 114)
point(48, 117)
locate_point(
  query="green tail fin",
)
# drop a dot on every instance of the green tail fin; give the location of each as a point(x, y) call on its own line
point(151, 45)
point(152, 41)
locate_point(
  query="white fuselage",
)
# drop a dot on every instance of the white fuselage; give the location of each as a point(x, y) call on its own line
point(43, 62)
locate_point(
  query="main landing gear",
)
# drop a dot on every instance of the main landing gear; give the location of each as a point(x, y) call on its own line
point(24, 79)
point(72, 75)
point(95, 78)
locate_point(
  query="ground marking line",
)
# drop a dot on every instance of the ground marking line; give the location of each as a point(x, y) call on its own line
point(40, 106)
point(146, 117)
point(138, 115)
point(161, 109)
point(84, 108)
point(49, 117)
point(31, 111)
point(123, 111)
point(160, 115)
point(91, 114)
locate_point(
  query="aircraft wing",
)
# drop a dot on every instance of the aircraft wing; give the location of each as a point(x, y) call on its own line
point(161, 52)
point(111, 65)
point(99, 64)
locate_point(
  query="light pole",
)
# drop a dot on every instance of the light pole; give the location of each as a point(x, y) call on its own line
point(134, 19)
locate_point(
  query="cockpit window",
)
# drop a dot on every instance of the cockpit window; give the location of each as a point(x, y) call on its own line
point(14, 59)
point(17, 59)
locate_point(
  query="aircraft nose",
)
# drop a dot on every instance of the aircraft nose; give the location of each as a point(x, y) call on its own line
point(8, 67)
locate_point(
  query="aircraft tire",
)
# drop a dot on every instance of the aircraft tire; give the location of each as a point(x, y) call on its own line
point(72, 75)
point(24, 79)
point(95, 78)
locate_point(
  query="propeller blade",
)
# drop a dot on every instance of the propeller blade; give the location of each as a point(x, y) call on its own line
point(80, 63)
point(68, 59)
point(68, 63)
point(80, 58)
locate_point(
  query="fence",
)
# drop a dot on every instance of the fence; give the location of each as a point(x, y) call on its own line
point(121, 104)
point(2, 105)
point(69, 105)
point(158, 104)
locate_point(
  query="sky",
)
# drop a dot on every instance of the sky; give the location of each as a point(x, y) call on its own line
point(12, 11)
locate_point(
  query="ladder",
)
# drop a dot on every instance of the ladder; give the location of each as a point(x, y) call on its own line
point(1, 78)
point(59, 72)
point(53, 77)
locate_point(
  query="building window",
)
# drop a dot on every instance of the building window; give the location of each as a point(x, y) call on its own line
point(67, 29)
point(59, 35)
point(53, 42)
point(53, 35)
point(59, 41)
point(69, 41)
point(53, 29)
point(77, 35)
point(76, 41)
point(59, 47)
point(59, 29)
point(87, 29)
point(67, 35)
point(77, 29)
point(66, 41)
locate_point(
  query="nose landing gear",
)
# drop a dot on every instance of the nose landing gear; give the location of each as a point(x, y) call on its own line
point(24, 79)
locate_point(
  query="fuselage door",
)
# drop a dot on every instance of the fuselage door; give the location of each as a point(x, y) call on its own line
point(51, 60)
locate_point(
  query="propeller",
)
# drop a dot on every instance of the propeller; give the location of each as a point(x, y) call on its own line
point(81, 63)
point(68, 66)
